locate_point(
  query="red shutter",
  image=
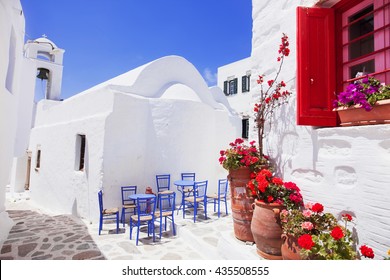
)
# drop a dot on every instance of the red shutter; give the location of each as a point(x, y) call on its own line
point(316, 66)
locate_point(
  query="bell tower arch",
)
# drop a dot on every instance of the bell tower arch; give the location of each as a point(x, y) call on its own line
point(48, 60)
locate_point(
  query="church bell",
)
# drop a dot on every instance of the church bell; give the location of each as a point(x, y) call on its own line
point(43, 73)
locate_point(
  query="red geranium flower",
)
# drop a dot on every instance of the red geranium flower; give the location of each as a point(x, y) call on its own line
point(317, 207)
point(337, 233)
point(305, 241)
point(367, 252)
point(277, 181)
point(347, 217)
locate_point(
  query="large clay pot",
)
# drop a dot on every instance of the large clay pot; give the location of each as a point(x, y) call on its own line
point(290, 248)
point(355, 115)
point(267, 230)
point(241, 203)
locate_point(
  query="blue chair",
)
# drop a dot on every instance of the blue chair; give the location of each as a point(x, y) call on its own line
point(128, 205)
point(197, 199)
point(219, 197)
point(107, 214)
point(163, 182)
point(188, 176)
point(146, 208)
point(163, 185)
point(166, 210)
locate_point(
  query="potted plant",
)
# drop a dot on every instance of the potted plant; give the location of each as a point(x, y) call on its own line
point(311, 233)
point(365, 93)
point(241, 160)
point(272, 196)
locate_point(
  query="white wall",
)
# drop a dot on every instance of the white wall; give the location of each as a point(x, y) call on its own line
point(12, 36)
point(58, 185)
point(346, 169)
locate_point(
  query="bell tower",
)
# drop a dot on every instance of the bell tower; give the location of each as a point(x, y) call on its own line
point(48, 64)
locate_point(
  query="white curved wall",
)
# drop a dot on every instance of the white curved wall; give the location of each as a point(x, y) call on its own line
point(346, 169)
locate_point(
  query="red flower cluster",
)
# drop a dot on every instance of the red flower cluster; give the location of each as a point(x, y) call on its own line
point(367, 252)
point(317, 207)
point(271, 189)
point(306, 241)
point(347, 217)
point(239, 154)
point(337, 233)
point(284, 47)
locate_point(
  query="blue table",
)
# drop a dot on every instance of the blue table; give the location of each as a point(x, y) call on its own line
point(183, 186)
point(141, 195)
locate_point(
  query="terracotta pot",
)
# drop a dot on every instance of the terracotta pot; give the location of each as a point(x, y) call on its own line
point(241, 203)
point(352, 116)
point(290, 248)
point(267, 230)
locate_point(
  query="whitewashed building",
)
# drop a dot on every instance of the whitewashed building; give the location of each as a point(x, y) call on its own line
point(125, 131)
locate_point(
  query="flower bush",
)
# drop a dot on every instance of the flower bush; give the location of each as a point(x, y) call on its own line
point(272, 95)
point(270, 189)
point(364, 92)
point(240, 154)
point(319, 234)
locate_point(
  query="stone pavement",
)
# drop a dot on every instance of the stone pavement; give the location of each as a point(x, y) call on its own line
point(38, 234)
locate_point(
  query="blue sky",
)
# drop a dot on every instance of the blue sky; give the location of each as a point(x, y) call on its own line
point(103, 39)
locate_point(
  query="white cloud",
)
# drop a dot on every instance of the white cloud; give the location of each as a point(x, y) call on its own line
point(210, 77)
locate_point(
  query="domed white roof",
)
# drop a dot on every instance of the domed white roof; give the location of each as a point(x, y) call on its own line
point(44, 40)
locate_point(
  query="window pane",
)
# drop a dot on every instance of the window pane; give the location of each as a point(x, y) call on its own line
point(360, 26)
point(363, 68)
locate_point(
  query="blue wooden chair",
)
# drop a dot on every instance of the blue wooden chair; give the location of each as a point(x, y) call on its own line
point(128, 205)
point(197, 198)
point(190, 176)
point(107, 214)
point(146, 208)
point(166, 210)
point(163, 185)
point(220, 196)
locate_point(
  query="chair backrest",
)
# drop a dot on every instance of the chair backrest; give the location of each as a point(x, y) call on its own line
point(200, 188)
point(126, 191)
point(146, 206)
point(100, 196)
point(188, 176)
point(222, 187)
point(163, 182)
point(167, 202)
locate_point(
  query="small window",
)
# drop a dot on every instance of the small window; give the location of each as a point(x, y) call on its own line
point(230, 87)
point(38, 159)
point(80, 152)
point(245, 128)
point(246, 83)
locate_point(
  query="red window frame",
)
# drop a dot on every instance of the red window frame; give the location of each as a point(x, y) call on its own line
point(322, 60)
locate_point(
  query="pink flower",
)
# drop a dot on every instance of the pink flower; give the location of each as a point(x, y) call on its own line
point(307, 225)
point(308, 205)
point(307, 213)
